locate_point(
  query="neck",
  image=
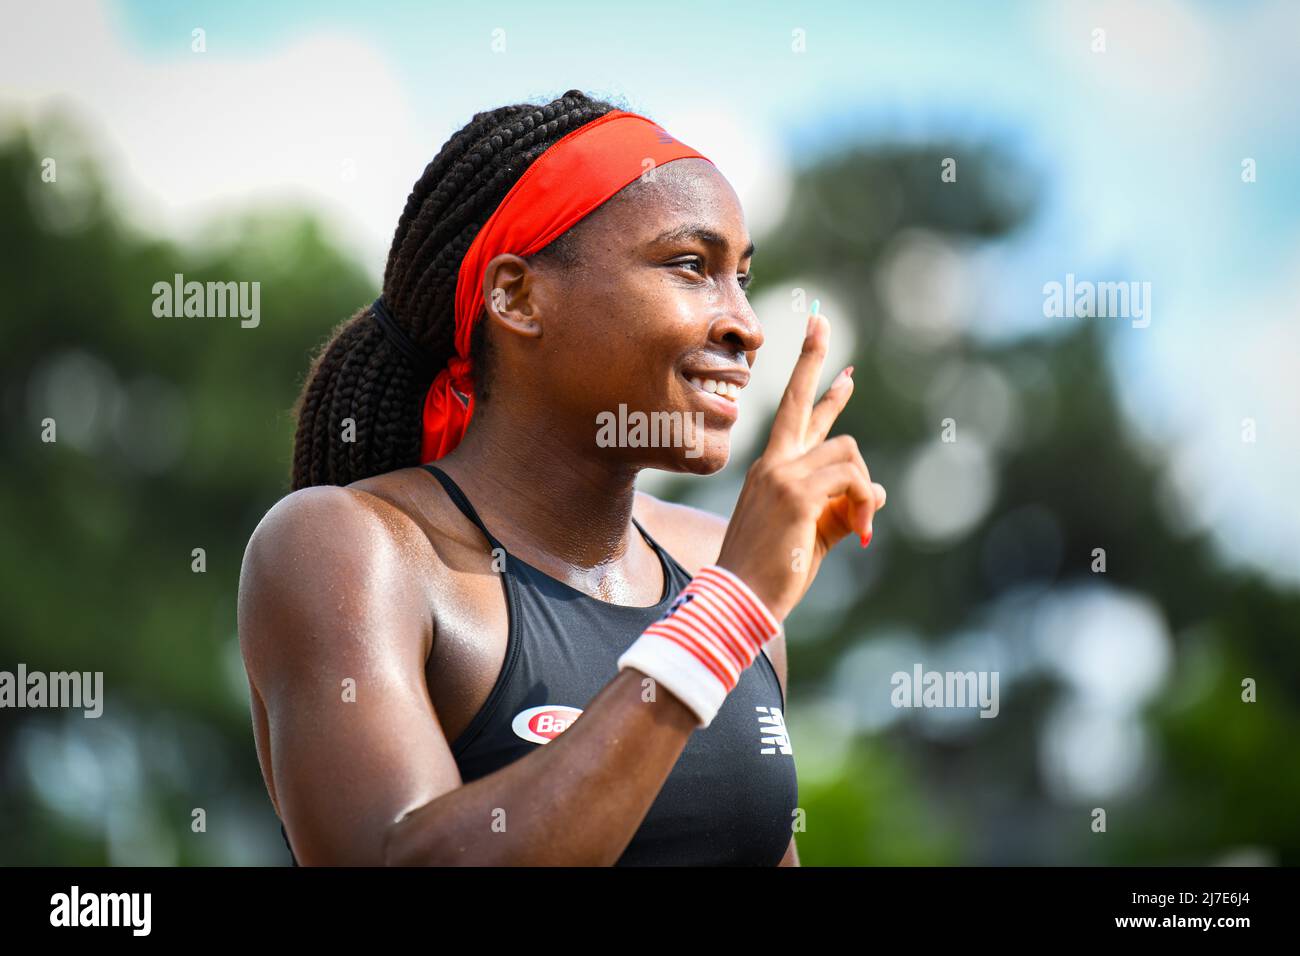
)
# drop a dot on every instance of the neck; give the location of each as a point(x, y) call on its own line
point(548, 496)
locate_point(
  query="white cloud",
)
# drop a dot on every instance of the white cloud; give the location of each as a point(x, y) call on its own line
point(323, 120)
point(745, 154)
point(193, 135)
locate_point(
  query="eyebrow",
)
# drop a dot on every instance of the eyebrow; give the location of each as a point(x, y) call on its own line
point(702, 233)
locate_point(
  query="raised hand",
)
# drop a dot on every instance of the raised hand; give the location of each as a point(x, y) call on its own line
point(804, 493)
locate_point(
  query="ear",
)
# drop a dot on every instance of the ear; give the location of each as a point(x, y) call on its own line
point(512, 296)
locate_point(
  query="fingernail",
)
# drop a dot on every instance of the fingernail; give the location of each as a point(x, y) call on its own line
point(865, 538)
point(817, 304)
point(849, 371)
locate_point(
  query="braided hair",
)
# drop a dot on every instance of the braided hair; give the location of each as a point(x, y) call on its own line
point(359, 374)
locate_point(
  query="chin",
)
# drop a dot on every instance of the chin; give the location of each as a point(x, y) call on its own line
point(707, 456)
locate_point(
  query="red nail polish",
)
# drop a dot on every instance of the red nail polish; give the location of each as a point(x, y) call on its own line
point(865, 538)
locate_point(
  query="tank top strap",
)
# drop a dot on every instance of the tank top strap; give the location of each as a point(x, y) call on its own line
point(460, 501)
point(669, 562)
point(671, 566)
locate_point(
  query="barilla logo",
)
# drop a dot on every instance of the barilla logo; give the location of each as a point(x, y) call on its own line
point(541, 725)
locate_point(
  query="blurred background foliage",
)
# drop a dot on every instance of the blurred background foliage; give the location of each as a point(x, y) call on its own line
point(1119, 690)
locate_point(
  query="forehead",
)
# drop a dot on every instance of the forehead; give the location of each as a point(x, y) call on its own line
point(685, 192)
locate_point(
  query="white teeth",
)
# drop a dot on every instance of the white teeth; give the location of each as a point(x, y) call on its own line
point(727, 390)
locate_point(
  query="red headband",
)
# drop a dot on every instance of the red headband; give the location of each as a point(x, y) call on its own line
point(571, 178)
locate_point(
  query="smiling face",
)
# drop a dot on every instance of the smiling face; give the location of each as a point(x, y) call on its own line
point(651, 314)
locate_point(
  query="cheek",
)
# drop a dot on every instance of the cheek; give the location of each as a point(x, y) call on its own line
point(664, 317)
point(633, 328)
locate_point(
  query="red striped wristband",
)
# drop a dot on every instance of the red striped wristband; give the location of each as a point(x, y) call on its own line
point(697, 650)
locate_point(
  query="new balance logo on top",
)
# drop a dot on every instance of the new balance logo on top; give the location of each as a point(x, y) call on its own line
point(683, 599)
point(772, 732)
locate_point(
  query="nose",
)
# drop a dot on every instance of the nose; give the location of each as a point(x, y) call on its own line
point(736, 325)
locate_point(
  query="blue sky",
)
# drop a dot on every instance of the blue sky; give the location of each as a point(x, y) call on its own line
point(1139, 148)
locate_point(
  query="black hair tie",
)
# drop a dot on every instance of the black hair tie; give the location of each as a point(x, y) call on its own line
point(418, 358)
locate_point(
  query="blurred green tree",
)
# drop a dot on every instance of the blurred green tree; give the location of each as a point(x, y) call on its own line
point(175, 434)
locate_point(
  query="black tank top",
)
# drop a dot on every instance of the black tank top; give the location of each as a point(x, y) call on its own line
point(731, 796)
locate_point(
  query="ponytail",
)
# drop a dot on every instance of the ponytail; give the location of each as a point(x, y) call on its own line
point(360, 411)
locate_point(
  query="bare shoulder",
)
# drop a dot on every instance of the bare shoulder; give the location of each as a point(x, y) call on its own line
point(694, 537)
point(691, 535)
point(316, 516)
point(325, 561)
point(326, 530)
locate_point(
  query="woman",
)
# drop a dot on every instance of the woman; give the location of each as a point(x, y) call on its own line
point(509, 655)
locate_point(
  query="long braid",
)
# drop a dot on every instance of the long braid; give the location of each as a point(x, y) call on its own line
point(358, 375)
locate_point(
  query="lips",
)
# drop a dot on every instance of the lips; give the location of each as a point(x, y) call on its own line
point(726, 382)
point(721, 401)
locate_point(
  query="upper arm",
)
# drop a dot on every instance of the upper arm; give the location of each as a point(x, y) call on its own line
point(335, 631)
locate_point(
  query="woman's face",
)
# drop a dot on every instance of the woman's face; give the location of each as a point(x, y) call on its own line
point(652, 310)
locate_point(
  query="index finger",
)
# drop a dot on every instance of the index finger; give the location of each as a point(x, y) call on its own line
point(793, 413)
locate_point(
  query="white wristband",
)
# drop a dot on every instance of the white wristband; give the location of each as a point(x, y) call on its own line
point(697, 650)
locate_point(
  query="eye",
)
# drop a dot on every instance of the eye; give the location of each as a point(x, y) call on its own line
point(696, 263)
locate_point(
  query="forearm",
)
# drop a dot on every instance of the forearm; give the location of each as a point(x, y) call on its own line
point(580, 799)
point(576, 801)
